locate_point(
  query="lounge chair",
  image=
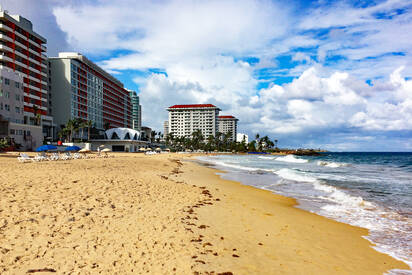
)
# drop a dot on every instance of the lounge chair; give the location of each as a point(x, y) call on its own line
point(53, 157)
point(40, 157)
point(24, 158)
point(76, 156)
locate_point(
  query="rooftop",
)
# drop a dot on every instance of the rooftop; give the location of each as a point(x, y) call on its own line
point(193, 106)
point(226, 117)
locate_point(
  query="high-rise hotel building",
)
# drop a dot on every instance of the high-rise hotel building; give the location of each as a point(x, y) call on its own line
point(228, 124)
point(136, 111)
point(81, 89)
point(185, 119)
point(23, 51)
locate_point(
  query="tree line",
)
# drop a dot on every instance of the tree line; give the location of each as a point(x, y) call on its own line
point(220, 142)
point(73, 126)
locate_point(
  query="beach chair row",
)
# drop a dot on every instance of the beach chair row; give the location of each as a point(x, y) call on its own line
point(53, 157)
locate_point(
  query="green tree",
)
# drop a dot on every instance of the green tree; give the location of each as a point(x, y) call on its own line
point(88, 124)
point(252, 146)
point(37, 115)
point(197, 139)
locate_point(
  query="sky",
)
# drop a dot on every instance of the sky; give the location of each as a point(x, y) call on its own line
point(324, 74)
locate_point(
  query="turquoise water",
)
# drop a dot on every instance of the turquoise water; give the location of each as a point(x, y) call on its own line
point(370, 190)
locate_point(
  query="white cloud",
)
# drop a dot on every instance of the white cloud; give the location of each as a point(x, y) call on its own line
point(200, 45)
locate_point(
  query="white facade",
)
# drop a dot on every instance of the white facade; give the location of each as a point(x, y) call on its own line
point(185, 119)
point(240, 136)
point(228, 124)
point(165, 128)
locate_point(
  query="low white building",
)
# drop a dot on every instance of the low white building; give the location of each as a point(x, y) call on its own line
point(240, 137)
point(120, 140)
point(186, 119)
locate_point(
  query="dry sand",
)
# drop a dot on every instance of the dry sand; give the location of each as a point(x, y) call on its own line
point(135, 214)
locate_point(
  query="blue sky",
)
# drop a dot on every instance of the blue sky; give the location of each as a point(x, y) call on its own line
point(329, 74)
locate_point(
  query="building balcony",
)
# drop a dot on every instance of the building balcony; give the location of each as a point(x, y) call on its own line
point(5, 38)
point(20, 45)
point(28, 104)
point(5, 48)
point(36, 79)
point(6, 58)
point(5, 27)
point(36, 97)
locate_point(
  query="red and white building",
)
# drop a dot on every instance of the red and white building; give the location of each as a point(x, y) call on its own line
point(185, 119)
point(23, 51)
point(228, 124)
point(81, 89)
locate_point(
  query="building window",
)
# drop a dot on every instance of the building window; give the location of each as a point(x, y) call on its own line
point(18, 110)
point(18, 97)
point(1, 105)
point(17, 84)
point(1, 92)
point(7, 94)
point(7, 107)
point(6, 81)
point(12, 132)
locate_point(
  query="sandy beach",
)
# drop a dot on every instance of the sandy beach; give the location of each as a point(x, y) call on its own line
point(161, 214)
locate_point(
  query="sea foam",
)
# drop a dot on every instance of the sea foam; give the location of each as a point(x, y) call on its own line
point(291, 158)
point(331, 164)
point(290, 174)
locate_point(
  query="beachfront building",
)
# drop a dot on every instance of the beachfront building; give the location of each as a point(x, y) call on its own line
point(165, 128)
point(12, 112)
point(240, 137)
point(81, 89)
point(120, 140)
point(22, 50)
point(185, 119)
point(228, 124)
point(136, 111)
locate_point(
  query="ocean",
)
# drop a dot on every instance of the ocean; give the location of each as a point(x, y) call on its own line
point(369, 190)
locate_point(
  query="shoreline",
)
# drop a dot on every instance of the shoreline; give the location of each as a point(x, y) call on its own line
point(293, 203)
point(162, 215)
point(245, 181)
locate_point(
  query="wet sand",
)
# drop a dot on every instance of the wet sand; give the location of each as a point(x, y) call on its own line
point(135, 214)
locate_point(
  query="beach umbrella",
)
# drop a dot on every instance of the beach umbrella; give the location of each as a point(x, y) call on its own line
point(158, 149)
point(148, 149)
point(72, 148)
point(142, 149)
point(46, 148)
point(106, 150)
point(84, 150)
point(101, 146)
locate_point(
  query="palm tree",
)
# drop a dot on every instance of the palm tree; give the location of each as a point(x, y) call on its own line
point(82, 125)
point(153, 136)
point(70, 127)
point(89, 124)
point(37, 115)
point(197, 139)
point(226, 138)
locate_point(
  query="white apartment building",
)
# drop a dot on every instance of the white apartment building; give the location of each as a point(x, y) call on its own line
point(228, 124)
point(185, 119)
point(12, 112)
point(240, 137)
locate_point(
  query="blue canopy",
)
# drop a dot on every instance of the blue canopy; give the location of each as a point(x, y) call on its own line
point(72, 148)
point(46, 148)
